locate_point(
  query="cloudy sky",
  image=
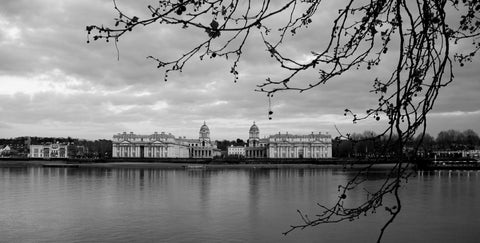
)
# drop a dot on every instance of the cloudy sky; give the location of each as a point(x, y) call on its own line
point(52, 83)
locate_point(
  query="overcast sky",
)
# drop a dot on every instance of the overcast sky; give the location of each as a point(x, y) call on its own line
point(52, 83)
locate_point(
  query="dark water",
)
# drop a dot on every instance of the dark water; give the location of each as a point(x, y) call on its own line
point(222, 205)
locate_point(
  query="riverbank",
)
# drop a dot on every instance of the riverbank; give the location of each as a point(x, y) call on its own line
point(187, 163)
point(451, 166)
point(225, 163)
point(209, 161)
point(160, 165)
point(141, 165)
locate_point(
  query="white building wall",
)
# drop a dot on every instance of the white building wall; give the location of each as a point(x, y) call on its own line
point(177, 151)
point(157, 145)
point(296, 146)
point(236, 150)
point(54, 151)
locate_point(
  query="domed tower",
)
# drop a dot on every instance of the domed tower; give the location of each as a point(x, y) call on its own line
point(253, 136)
point(204, 134)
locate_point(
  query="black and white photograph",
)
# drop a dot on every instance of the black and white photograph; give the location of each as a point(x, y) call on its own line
point(240, 121)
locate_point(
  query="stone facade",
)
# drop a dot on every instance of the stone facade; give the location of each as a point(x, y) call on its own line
point(257, 147)
point(300, 146)
point(157, 145)
point(162, 145)
point(54, 150)
point(236, 151)
point(202, 147)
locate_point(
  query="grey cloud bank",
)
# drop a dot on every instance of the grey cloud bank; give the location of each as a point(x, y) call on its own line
point(55, 84)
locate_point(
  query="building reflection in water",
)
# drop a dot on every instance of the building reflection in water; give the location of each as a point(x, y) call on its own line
point(251, 204)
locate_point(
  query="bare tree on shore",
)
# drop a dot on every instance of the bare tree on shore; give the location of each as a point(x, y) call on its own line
point(417, 36)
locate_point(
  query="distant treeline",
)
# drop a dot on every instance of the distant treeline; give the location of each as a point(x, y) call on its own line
point(224, 144)
point(367, 143)
point(101, 148)
point(90, 149)
point(18, 146)
point(359, 145)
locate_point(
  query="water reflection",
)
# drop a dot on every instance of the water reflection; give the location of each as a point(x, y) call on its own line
point(218, 205)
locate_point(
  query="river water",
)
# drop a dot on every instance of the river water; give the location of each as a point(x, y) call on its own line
point(223, 205)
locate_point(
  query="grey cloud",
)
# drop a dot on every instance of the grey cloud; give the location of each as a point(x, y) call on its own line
point(54, 38)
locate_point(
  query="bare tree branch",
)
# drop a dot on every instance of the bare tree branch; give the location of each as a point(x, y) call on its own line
point(417, 34)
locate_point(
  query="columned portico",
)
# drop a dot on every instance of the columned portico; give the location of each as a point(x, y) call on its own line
point(148, 146)
point(300, 146)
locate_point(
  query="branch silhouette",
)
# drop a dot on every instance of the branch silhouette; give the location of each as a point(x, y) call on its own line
point(417, 35)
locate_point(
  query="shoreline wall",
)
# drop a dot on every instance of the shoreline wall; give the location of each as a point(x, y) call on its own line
point(319, 161)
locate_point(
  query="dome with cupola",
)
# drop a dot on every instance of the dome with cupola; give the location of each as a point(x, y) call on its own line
point(254, 128)
point(204, 133)
point(254, 133)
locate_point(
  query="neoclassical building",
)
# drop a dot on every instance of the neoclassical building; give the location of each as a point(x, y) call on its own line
point(257, 147)
point(315, 145)
point(49, 150)
point(236, 151)
point(162, 145)
point(202, 147)
point(157, 145)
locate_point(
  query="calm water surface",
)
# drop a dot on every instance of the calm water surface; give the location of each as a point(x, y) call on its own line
point(222, 205)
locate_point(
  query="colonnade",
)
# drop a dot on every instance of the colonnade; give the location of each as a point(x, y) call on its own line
point(135, 151)
point(201, 153)
point(255, 153)
point(299, 151)
point(149, 151)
